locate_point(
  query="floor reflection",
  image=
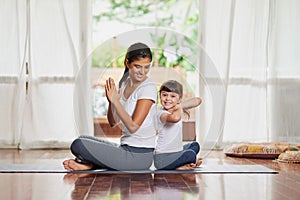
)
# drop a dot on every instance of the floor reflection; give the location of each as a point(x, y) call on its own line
point(133, 186)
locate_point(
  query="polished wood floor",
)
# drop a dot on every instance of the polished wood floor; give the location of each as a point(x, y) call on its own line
point(37, 186)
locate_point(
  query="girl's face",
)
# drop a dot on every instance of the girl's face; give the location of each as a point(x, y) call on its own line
point(139, 69)
point(169, 99)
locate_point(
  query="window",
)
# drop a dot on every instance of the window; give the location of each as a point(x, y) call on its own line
point(162, 23)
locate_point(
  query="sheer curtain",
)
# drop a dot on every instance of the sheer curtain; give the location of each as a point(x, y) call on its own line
point(55, 49)
point(12, 75)
point(255, 46)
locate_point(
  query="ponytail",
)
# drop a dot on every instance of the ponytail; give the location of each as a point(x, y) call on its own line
point(124, 77)
point(187, 113)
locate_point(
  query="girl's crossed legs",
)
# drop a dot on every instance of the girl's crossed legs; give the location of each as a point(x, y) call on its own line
point(182, 160)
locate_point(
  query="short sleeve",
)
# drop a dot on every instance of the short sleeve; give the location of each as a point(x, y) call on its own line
point(147, 91)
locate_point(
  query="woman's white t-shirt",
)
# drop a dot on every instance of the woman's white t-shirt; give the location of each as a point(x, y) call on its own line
point(146, 134)
point(169, 138)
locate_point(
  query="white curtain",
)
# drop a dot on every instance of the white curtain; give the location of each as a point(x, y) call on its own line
point(54, 43)
point(12, 76)
point(255, 46)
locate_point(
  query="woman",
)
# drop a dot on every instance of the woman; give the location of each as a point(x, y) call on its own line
point(132, 107)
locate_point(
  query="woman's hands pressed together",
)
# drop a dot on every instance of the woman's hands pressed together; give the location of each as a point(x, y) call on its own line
point(111, 92)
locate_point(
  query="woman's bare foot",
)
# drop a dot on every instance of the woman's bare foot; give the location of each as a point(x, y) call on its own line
point(72, 165)
point(189, 166)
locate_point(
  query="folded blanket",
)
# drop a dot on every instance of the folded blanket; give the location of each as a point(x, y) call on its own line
point(289, 157)
point(259, 150)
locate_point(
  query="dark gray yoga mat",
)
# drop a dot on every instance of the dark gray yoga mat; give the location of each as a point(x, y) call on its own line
point(204, 169)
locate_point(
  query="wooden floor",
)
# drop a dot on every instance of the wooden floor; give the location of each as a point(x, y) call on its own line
point(36, 186)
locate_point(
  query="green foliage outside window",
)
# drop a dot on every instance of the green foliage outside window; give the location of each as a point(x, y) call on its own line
point(163, 13)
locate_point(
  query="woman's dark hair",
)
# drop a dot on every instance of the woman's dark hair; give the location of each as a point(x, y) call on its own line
point(176, 87)
point(135, 52)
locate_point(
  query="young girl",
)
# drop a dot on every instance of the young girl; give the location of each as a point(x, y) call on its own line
point(169, 151)
point(133, 107)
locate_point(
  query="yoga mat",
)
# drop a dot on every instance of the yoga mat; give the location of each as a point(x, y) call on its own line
point(203, 169)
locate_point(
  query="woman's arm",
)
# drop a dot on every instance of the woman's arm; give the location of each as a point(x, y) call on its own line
point(191, 103)
point(140, 113)
point(112, 117)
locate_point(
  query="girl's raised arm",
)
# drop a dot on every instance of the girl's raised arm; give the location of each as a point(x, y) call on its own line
point(191, 103)
point(174, 115)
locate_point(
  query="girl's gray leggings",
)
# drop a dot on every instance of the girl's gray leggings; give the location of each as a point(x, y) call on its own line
point(108, 155)
point(169, 161)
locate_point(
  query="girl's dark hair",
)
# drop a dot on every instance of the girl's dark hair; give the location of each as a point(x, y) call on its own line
point(135, 52)
point(176, 87)
point(172, 86)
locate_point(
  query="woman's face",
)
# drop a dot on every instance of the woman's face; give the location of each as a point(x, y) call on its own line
point(169, 99)
point(139, 69)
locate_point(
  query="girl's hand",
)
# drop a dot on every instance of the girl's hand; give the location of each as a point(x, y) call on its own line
point(173, 116)
point(111, 92)
point(175, 108)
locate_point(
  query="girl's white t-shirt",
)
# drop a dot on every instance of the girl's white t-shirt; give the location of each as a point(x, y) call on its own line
point(169, 138)
point(146, 134)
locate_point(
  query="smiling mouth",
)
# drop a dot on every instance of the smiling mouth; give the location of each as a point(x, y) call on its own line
point(167, 104)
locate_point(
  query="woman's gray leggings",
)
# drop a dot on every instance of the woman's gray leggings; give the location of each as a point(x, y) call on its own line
point(109, 155)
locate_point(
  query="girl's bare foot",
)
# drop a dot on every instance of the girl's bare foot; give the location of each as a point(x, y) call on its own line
point(72, 165)
point(190, 166)
point(198, 162)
